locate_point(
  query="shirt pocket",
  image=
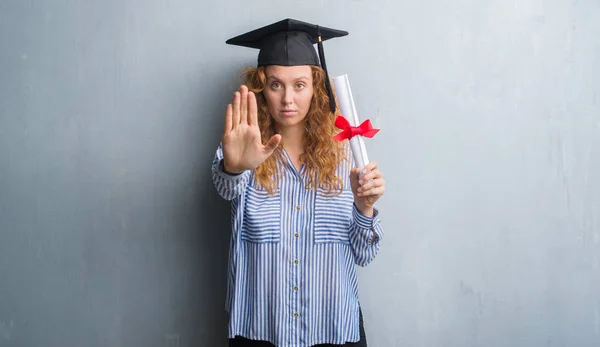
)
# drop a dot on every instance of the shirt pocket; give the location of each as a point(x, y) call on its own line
point(262, 216)
point(333, 215)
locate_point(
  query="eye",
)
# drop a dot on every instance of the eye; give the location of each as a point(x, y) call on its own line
point(300, 85)
point(275, 85)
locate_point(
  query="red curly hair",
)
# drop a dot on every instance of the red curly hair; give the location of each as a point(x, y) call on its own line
point(322, 154)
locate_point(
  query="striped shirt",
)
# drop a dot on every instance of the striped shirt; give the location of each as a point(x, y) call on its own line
point(291, 275)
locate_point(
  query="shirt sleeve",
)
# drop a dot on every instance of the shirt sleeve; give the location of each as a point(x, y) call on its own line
point(228, 186)
point(362, 228)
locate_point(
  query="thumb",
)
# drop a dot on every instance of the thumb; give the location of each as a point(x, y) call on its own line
point(354, 180)
point(354, 175)
point(273, 143)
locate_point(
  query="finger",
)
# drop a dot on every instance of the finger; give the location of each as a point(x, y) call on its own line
point(244, 105)
point(366, 178)
point(354, 177)
point(371, 176)
point(354, 180)
point(228, 115)
point(272, 144)
point(252, 109)
point(370, 167)
point(371, 184)
point(235, 119)
point(375, 191)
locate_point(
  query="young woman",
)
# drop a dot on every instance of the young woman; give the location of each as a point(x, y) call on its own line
point(302, 217)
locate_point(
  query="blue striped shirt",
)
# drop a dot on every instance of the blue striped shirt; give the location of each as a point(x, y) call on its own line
point(291, 276)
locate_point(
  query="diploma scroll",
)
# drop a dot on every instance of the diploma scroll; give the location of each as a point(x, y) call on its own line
point(355, 132)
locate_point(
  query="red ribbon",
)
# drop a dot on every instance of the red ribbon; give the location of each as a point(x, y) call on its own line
point(349, 131)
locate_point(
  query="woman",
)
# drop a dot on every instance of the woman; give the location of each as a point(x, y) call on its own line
point(302, 219)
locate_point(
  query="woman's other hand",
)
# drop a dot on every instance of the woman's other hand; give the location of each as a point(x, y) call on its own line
point(368, 189)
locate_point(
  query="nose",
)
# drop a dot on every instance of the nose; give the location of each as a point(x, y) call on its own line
point(288, 97)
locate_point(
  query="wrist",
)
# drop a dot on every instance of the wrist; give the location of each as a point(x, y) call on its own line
point(367, 211)
point(230, 171)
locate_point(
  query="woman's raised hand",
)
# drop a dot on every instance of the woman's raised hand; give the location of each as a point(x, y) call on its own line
point(242, 146)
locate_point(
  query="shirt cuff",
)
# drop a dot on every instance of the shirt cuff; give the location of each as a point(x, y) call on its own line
point(228, 176)
point(364, 221)
point(371, 224)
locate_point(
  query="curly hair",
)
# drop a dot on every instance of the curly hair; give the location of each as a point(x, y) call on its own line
point(322, 154)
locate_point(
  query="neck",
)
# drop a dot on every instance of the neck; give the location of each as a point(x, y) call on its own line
point(291, 138)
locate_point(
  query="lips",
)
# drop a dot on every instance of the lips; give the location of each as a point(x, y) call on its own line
point(288, 112)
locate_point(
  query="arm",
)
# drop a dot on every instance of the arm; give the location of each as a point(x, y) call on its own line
point(240, 145)
point(365, 230)
point(229, 186)
point(365, 234)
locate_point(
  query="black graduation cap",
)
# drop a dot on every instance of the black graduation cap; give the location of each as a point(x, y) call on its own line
point(290, 42)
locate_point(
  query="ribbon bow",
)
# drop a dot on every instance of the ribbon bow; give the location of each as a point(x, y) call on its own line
point(349, 131)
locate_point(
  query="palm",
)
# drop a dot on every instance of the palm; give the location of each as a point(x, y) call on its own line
point(242, 144)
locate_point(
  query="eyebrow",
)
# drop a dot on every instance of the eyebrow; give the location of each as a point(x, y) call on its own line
point(279, 79)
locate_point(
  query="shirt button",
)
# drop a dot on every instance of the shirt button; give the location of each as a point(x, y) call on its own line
point(300, 180)
point(296, 235)
point(295, 288)
point(298, 207)
point(296, 261)
point(296, 314)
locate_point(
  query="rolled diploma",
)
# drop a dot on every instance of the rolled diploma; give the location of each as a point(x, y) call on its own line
point(344, 96)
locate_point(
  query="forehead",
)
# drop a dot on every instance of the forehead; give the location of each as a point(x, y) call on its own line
point(289, 72)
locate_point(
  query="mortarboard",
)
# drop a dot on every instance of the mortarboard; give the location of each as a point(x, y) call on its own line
point(290, 42)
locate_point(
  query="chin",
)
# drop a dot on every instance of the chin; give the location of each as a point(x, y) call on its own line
point(288, 121)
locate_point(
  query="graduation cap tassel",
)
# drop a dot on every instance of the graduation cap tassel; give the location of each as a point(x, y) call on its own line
point(327, 82)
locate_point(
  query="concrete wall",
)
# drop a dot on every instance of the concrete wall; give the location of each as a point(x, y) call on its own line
point(110, 112)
